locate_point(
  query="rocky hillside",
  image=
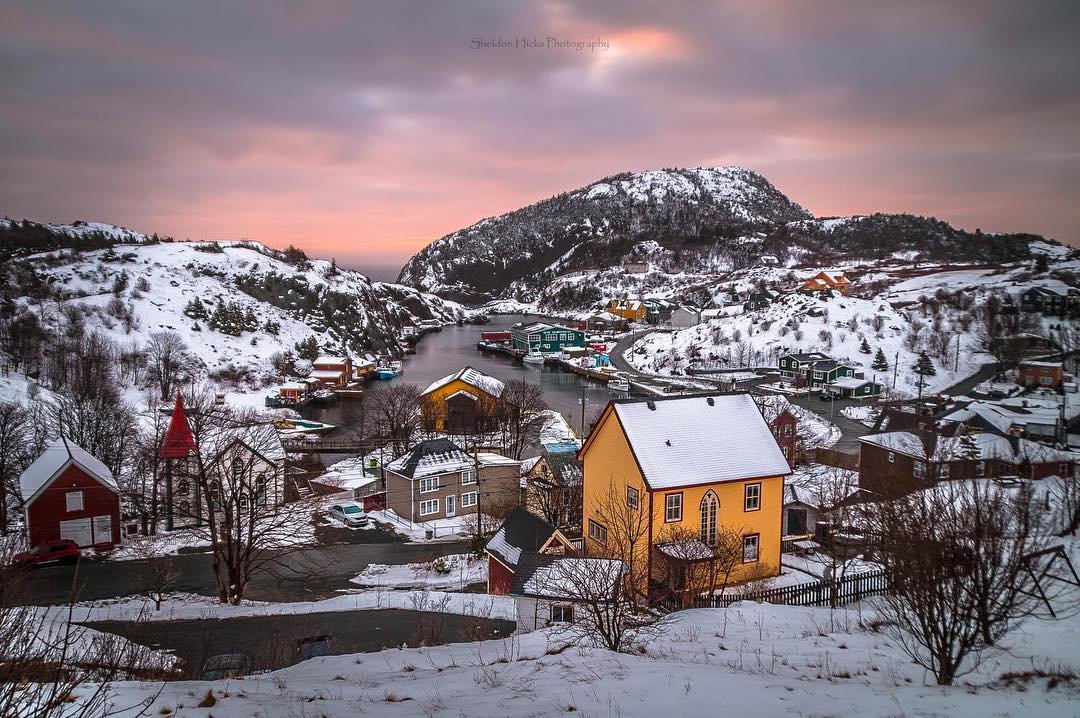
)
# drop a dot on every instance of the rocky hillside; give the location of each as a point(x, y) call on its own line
point(236, 304)
point(684, 221)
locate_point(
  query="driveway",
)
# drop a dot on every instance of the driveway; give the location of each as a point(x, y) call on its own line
point(304, 574)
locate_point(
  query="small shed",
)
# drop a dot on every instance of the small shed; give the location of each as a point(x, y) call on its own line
point(69, 494)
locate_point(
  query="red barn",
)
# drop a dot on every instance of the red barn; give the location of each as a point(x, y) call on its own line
point(68, 494)
point(521, 533)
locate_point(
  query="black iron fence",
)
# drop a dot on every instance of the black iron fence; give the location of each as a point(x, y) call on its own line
point(814, 593)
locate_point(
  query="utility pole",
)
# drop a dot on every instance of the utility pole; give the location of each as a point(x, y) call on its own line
point(956, 366)
point(895, 365)
point(581, 435)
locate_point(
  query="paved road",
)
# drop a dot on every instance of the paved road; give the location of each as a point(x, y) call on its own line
point(333, 566)
point(961, 388)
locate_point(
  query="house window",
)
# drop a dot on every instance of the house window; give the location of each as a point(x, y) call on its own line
point(920, 469)
point(183, 487)
point(597, 533)
point(750, 548)
point(892, 457)
point(980, 469)
point(776, 432)
point(1063, 470)
point(709, 506)
point(74, 500)
point(631, 497)
point(429, 484)
point(102, 529)
point(752, 497)
point(429, 507)
point(819, 375)
point(237, 467)
point(672, 508)
point(562, 613)
point(260, 489)
point(789, 430)
point(1045, 380)
point(943, 471)
point(215, 495)
point(468, 476)
point(468, 499)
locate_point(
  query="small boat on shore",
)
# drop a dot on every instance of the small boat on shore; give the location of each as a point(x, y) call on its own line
point(389, 370)
point(533, 358)
point(618, 383)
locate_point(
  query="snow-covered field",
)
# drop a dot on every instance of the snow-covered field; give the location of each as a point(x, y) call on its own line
point(750, 659)
point(452, 572)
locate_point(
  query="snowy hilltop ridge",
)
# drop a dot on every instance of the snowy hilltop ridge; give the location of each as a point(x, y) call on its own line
point(235, 304)
point(697, 221)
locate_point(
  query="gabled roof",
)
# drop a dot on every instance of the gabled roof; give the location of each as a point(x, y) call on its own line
point(472, 377)
point(326, 359)
point(520, 532)
point(806, 356)
point(950, 448)
point(58, 455)
point(178, 441)
point(568, 577)
point(696, 440)
point(428, 458)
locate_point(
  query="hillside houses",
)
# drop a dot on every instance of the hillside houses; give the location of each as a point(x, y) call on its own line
point(545, 338)
point(813, 368)
point(1044, 300)
point(630, 309)
point(332, 371)
point(466, 401)
point(827, 281)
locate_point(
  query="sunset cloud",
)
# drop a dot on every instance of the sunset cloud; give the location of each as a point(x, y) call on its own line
point(366, 130)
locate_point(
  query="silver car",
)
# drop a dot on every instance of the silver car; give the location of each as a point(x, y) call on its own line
point(349, 513)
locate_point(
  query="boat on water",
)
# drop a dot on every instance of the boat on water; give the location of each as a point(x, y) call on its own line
point(296, 427)
point(533, 358)
point(323, 394)
point(618, 383)
point(388, 370)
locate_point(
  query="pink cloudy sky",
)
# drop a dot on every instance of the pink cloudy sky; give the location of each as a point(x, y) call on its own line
point(364, 130)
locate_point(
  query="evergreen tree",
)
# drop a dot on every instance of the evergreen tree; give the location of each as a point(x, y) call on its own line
point(196, 309)
point(308, 349)
point(924, 368)
point(865, 347)
point(969, 448)
point(251, 322)
point(880, 362)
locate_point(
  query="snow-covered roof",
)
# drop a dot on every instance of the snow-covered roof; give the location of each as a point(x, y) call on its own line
point(330, 360)
point(57, 455)
point(326, 374)
point(294, 385)
point(429, 458)
point(951, 448)
point(521, 531)
point(1048, 364)
point(572, 577)
point(686, 550)
point(472, 377)
point(687, 441)
point(849, 382)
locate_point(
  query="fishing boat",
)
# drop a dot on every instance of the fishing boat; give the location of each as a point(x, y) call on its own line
point(388, 370)
point(618, 383)
point(533, 358)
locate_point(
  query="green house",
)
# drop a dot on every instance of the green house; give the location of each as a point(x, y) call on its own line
point(851, 388)
point(545, 338)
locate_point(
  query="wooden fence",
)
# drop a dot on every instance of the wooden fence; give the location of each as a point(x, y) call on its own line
point(815, 593)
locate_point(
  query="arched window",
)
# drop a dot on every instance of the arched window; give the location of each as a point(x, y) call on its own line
point(709, 507)
point(183, 487)
point(237, 467)
point(260, 489)
point(215, 495)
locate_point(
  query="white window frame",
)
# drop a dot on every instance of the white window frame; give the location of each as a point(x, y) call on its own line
point(426, 486)
point(563, 609)
point(468, 499)
point(1045, 380)
point(755, 541)
point(670, 506)
point(755, 489)
point(598, 532)
point(468, 476)
point(73, 500)
point(633, 498)
point(920, 469)
point(432, 504)
point(944, 470)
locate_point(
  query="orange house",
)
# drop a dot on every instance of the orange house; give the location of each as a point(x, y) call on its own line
point(822, 281)
point(630, 309)
point(687, 491)
point(462, 401)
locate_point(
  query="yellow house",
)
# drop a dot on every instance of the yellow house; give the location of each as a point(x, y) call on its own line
point(630, 309)
point(688, 491)
point(466, 400)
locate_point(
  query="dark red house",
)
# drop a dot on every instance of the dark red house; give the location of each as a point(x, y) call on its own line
point(69, 494)
point(521, 533)
point(782, 422)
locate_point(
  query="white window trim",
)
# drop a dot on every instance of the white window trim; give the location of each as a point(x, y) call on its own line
point(426, 481)
point(468, 477)
point(757, 548)
point(429, 503)
point(746, 497)
point(468, 500)
point(71, 498)
point(668, 507)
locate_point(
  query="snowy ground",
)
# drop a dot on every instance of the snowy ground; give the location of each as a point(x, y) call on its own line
point(452, 572)
point(862, 414)
point(752, 659)
point(449, 529)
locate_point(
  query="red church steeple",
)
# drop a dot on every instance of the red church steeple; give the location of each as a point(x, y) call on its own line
point(178, 441)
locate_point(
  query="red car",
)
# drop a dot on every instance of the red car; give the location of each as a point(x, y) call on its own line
point(61, 551)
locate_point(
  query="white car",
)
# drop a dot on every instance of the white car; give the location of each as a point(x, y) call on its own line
point(349, 513)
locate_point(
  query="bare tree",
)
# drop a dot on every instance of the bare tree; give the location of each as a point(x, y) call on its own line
point(700, 564)
point(168, 361)
point(596, 589)
point(396, 410)
point(14, 457)
point(956, 556)
point(157, 571)
point(522, 416)
point(625, 525)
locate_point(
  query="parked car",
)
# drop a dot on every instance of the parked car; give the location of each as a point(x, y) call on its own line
point(226, 665)
point(349, 513)
point(59, 551)
point(829, 396)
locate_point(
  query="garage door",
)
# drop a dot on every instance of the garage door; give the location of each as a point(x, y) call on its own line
point(78, 530)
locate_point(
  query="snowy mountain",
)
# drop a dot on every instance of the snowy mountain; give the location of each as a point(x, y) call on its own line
point(236, 304)
point(703, 221)
point(20, 238)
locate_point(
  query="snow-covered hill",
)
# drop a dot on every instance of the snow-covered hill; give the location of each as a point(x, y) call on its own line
point(695, 223)
point(264, 303)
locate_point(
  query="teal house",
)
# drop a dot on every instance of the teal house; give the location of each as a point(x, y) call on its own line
point(545, 338)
